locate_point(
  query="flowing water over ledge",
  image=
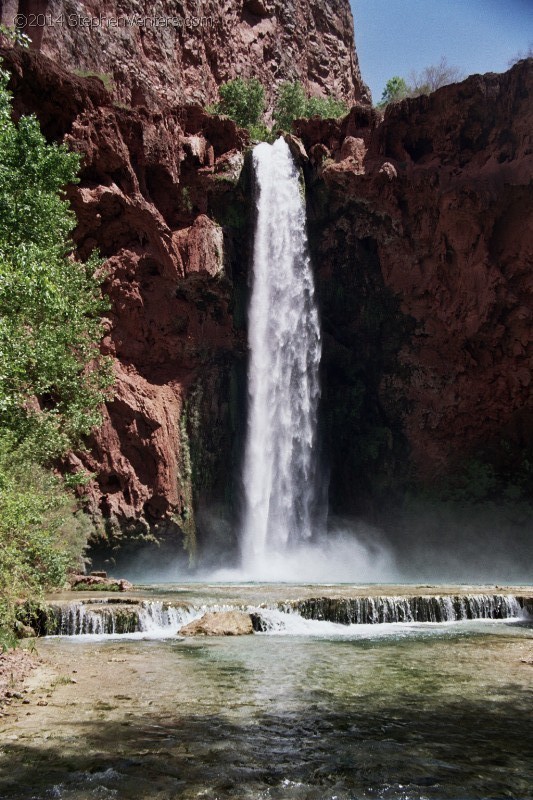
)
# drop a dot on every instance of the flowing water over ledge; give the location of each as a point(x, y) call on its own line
point(402, 711)
point(342, 606)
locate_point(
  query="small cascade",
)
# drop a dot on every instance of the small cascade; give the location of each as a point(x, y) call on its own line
point(116, 617)
point(297, 617)
point(383, 609)
point(157, 616)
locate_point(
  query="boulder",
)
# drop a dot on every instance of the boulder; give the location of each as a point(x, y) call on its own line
point(355, 149)
point(219, 623)
point(95, 583)
point(389, 170)
point(297, 149)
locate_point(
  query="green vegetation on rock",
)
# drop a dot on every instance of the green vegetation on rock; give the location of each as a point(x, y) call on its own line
point(244, 102)
point(292, 103)
point(40, 535)
point(424, 82)
point(103, 77)
point(52, 377)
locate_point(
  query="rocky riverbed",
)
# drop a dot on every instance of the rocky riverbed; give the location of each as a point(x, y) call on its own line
point(433, 711)
point(15, 667)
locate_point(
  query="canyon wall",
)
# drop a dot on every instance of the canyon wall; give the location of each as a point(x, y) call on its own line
point(420, 229)
point(161, 199)
point(179, 51)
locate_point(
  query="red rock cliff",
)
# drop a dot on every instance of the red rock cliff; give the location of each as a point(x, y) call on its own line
point(177, 52)
point(421, 229)
point(151, 187)
point(432, 209)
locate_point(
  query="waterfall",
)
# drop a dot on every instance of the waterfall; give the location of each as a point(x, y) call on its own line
point(284, 356)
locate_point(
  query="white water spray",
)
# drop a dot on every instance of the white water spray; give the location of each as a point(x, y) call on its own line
point(280, 460)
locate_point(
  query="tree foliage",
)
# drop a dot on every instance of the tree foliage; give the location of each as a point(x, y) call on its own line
point(292, 103)
point(39, 535)
point(242, 100)
point(52, 378)
point(424, 82)
point(13, 36)
point(395, 89)
point(325, 107)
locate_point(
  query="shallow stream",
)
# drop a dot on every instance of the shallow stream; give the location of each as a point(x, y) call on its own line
point(399, 711)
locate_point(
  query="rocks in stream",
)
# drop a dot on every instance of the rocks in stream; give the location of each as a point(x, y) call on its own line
point(99, 582)
point(220, 623)
point(23, 631)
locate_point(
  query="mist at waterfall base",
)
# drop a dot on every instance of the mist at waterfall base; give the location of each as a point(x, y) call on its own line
point(285, 535)
point(421, 550)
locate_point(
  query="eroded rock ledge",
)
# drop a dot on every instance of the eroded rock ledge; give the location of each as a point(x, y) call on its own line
point(161, 198)
point(181, 52)
point(420, 228)
point(421, 231)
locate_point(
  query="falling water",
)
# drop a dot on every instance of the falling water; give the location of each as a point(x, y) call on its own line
point(311, 616)
point(283, 387)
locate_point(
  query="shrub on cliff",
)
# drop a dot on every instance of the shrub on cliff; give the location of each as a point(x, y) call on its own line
point(521, 55)
point(292, 103)
point(325, 107)
point(395, 89)
point(242, 100)
point(36, 522)
point(424, 82)
point(433, 77)
point(52, 378)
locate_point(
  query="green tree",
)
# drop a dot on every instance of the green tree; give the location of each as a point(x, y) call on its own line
point(52, 378)
point(325, 107)
point(395, 89)
point(291, 104)
point(242, 100)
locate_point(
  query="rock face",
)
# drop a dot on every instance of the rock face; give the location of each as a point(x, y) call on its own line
point(422, 234)
point(219, 623)
point(176, 52)
point(94, 582)
point(420, 230)
point(153, 199)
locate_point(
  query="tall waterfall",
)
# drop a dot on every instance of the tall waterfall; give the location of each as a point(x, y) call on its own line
point(280, 460)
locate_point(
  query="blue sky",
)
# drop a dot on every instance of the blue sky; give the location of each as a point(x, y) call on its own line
point(393, 37)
